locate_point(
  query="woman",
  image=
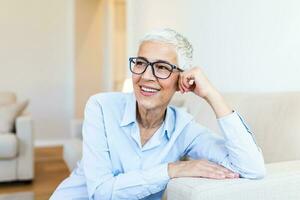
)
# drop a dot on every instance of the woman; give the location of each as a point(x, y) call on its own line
point(132, 143)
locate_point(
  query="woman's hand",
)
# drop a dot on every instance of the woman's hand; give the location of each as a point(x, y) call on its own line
point(194, 80)
point(199, 168)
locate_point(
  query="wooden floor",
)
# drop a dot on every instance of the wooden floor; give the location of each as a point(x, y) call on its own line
point(50, 170)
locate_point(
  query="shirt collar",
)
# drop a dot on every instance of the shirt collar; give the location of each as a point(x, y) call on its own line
point(176, 120)
point(129, 115)
point(169, 124)
point(173, 116)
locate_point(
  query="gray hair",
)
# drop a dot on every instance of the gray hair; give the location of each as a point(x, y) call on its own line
point(184, 49)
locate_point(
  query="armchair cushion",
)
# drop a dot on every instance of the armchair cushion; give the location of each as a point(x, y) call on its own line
point(8, 146)
point(8, 115)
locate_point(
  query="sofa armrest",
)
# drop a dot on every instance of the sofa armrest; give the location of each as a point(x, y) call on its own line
point(72, 152)
point(76, 128)
point(25, 160)
point(281, 182)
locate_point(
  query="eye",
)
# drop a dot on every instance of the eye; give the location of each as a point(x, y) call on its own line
point(140, 62)
point(163, 66)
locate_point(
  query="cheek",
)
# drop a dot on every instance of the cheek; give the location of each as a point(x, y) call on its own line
point(169, 86)
point(135, 80)
point(171, 83)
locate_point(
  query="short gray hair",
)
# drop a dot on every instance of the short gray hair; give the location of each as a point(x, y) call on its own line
point(183, 47)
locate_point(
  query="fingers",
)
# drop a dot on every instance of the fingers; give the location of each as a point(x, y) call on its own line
point(209, 172)
point(220, 169)
point(201, 168)
point(185, 83)
point(217, 173)
point(180, 85)
point(208, 169)
point(191, 82)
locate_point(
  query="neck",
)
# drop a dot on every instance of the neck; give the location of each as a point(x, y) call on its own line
point(150, 118)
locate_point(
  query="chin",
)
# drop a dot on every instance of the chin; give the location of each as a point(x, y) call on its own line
point(146, 104)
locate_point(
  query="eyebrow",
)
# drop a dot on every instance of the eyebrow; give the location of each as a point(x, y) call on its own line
point(159, 60)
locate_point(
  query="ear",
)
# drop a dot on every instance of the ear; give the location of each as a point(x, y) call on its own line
point(177, 88)
point(177, 85)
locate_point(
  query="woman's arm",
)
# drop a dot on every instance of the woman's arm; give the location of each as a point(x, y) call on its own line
point(195, 81)
point(237, 151)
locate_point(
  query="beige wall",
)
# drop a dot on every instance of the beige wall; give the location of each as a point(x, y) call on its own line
point(88, 51)
point(100, 49)
point(36, 61)
point(53, 53)
point(120, 45)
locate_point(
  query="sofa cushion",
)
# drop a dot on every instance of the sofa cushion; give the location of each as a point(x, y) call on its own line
point(8, 115)
point(272, 117)
point(282, 182)
point(7, 98)
point(8, 146)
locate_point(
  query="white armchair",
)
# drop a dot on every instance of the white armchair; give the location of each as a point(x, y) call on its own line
point(72, 150)
point(16, 150)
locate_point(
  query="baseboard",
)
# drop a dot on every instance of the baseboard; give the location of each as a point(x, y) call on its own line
point(49, 143)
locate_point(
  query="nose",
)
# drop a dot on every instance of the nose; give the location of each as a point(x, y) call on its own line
point(148, 74)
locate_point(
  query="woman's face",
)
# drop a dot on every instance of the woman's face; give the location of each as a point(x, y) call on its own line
point(150, 91)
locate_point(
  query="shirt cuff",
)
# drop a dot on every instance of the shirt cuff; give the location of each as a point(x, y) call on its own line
point(157, 178)
point(160, 173)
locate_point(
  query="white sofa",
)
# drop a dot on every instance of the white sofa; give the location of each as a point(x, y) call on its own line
point(16, 149)
point(275, 120)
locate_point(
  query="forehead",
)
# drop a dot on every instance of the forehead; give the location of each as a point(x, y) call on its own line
point(153, 51)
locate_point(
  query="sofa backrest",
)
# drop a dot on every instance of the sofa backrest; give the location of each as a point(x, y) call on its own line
point(273, 117)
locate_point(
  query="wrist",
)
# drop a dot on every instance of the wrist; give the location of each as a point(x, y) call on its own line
point(218, 103)
point(173, 170)
point(212, 96)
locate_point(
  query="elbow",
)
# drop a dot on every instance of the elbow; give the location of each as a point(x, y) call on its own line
point(102, 194)
point(259, 173)
point(103, 191)
point(255, 172)
point(259, 169)
point(255, 169)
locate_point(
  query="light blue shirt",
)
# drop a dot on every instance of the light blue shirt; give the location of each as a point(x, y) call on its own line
point(116, 166)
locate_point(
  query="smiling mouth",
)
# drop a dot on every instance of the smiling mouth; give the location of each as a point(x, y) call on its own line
point(148, 91)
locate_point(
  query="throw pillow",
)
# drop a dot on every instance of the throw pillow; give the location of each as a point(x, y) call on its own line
point(8, 115)
point(7, 98)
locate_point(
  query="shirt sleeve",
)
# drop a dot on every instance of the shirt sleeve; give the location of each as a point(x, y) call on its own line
point(101, 182)
point(235, 150)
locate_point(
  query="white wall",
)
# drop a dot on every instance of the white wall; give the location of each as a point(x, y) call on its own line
point(242, 45)
point(36, 61)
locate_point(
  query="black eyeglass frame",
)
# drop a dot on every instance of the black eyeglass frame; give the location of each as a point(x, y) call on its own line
point(151, 64)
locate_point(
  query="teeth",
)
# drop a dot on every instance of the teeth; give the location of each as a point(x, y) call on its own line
point(148, 89)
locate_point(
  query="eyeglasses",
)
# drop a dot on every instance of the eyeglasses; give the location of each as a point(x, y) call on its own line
point(160, 69)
